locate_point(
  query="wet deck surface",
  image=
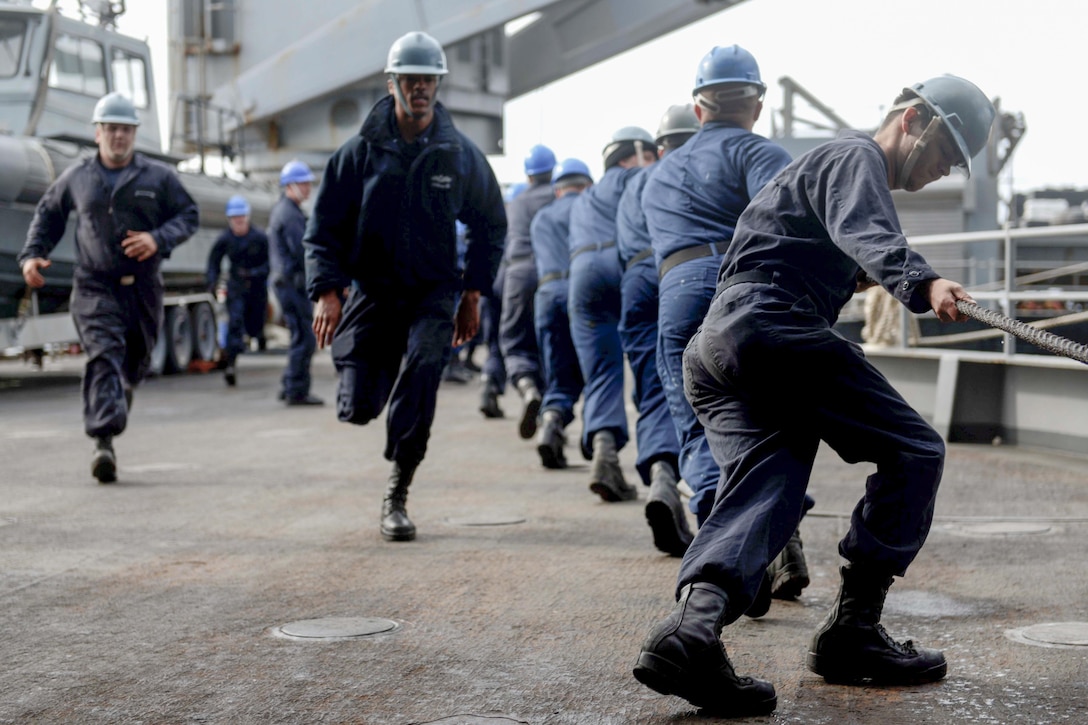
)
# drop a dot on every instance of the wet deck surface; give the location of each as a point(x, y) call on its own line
point(160, 599)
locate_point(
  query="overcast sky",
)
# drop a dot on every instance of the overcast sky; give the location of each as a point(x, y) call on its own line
point(854, 55)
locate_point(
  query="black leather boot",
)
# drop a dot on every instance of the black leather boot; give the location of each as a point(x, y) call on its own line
point(550, 441)
point(530, 406)
point(396, 526)
point(665, 510)
point(605, 475)
point(789, 572)
point(103, 460)
point(684, 656)
point(489, 399)
point(851, 647)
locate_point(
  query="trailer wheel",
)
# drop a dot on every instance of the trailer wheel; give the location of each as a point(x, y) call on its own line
point(158, 355)
point(205, 331)
point(179, 339)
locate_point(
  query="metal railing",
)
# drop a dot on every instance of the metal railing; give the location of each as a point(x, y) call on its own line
point(1002, 276)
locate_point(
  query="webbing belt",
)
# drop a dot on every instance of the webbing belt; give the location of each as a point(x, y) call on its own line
point(591, 248)
point(647, 252)
point(686, 255)
point(551, 277)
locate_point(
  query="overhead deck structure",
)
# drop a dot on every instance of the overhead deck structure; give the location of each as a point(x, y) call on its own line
point(267, 100)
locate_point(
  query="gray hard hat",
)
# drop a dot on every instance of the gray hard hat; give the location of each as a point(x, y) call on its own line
point(678, 119)
point(115, 108)
point(416, 53)
point(963, 108)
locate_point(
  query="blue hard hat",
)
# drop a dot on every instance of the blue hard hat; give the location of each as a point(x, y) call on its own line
point(728, 64)
point(513, 190)
point(964, 110)
point(540, 160)
point(295, 172)
point(568, 168)
point(237, 206)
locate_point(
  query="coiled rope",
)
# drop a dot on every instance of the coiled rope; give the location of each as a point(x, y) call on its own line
point(1040, 338)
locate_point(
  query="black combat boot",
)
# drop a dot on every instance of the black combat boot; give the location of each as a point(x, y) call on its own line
point(665, 510)
point(789, 572)
point(489, 399)
point(684, 656)
point(605, 476)
point(103, 460)
point(530, 401)
point(396, 526)
point(550, 441)
point(851, 647)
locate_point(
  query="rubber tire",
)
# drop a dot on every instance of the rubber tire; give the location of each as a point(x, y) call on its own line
point(205, 331)
point(179, 339)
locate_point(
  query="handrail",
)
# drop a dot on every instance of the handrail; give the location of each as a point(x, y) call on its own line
point(1012, 288)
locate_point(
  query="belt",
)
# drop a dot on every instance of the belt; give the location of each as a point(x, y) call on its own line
point(591, 247)
point(758, 276)
point(551, 277)
point(686, 255)
point(519, 258)
point(647, 252)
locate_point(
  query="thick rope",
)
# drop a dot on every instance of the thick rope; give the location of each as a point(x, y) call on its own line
point(1040, 338)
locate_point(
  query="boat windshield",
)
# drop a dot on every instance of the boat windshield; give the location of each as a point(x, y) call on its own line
point(12, 32)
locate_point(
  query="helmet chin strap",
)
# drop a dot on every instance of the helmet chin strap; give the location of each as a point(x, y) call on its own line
point(638, 153)
point(916, 153)
point(404, 101)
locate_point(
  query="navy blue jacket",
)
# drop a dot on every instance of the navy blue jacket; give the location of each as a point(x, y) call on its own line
point(248, 256)
point(520, 213)
point(824, 218)
point(549, 233)
point(593, 218)
point(286, 226)
point(632, 235)
point(148, 197)
point(700, 189)
point(385, 214)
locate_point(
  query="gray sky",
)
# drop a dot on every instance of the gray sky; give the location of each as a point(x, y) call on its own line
point(854, 55)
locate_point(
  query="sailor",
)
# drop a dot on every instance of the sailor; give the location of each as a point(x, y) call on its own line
point(384, 224)
point(692, 203)
point(286, 225)
point(549, 235)
point(131, 212)
point(658, 446)
point(770, 378)
point(595, 275)
point(517, 334)
point(493, 373)
point(246, 247)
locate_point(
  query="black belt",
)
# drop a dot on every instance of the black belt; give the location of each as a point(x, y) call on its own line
point(686, 255)
point(591, 247)
point(648, 252)
point(551, 277)
point(520, 258)
point(757, 276)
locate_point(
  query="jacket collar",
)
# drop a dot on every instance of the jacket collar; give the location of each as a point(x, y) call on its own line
point(380, 125)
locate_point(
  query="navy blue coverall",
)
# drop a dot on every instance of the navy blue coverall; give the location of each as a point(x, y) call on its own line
point(691, 204)
point(595, 275)
point(384, 222)
point(769, 378)
point(655, 432)
point(517, 333)
point(116, 301)
point(549, 233)
point(247, 285)
point(286, 226)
